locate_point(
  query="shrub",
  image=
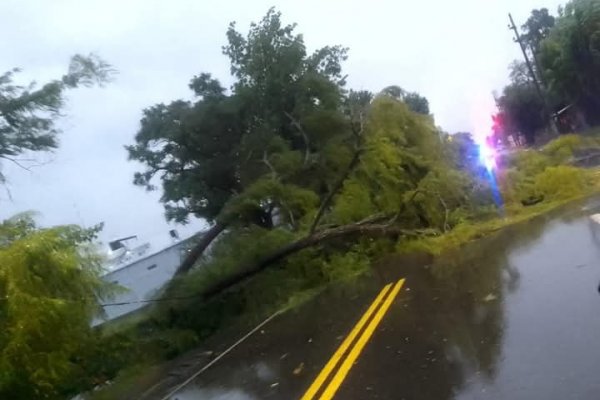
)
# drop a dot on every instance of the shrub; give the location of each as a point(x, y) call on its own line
point(564, 148)
point(561, 182)
point(516, 187)
point(529, 162)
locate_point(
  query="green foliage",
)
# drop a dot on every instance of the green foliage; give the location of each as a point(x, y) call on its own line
point(562, 149)
point(564, 51)
point(49, 290)
point(562, 182)
point(569, 57)
point(461, 234)
point(346, 265)
point(462, 152)
point(354, 203)
point(293, 202)
point(528, 162)
point(414, 101)
point(522, 108)
point(565, 147)
point(531, 176)
point(283, 121)
point(515, 186)
point(537, 27)
point(403, 172)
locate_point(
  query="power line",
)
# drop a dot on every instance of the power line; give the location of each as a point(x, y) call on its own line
point(125, 302)
point(151, 300)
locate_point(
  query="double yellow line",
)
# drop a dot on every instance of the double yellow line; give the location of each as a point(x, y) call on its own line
point(378, 308)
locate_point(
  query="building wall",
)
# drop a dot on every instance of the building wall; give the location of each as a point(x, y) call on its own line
point(142, 280)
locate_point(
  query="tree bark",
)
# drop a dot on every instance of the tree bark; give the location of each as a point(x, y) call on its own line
point(245, 272)
point(197, 251)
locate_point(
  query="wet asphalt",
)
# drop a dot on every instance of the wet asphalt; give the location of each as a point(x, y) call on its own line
point(513, 316)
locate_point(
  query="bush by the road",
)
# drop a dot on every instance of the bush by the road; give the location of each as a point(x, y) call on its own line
point(561, 182)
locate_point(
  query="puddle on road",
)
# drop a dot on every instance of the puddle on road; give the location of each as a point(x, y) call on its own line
point(514, 316)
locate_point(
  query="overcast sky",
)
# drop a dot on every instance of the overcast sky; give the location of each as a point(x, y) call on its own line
point(453, 52)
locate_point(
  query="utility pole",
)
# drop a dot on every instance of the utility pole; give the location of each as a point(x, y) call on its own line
point(538, 86)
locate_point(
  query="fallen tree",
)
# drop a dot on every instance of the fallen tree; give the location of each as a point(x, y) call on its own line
point(368, 227)
point(206, 238)
point(290, 150)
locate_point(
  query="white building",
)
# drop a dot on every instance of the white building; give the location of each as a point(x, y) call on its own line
point(142, 274)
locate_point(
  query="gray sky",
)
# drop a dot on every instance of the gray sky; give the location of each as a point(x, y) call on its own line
point(453, 52)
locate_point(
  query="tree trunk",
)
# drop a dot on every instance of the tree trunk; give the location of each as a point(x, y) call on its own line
point(199, 248)
point(248, 271)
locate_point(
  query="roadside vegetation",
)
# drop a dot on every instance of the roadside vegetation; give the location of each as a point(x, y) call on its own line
point(304, 181)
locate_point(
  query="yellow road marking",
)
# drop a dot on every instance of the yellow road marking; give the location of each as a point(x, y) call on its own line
point(360, 344)
point(312, 390)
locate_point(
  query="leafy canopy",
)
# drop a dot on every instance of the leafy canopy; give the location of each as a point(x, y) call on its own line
point(28, 113)
point(413, 100)
point(49, 290)
point(521, 106)
point(570, 57)
point(280, 120)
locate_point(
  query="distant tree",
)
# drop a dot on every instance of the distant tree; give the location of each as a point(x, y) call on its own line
point(519, 74)
point(28, 113)
point(417, 103)
point(395, 92)
point(537, 28)
point(570, 59)
point(523, 110)
point(413, 100)
point(463, 151)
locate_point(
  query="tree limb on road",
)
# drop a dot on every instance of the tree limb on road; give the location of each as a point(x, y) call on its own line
point(248, 271)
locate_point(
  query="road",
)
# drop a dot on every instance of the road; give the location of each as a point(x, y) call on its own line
point(516, 316)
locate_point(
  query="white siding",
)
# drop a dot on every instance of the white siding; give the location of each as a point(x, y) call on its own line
point(142, 279)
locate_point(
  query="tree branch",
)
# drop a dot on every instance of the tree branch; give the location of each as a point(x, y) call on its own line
point(304, 136)
point(265, 160)
point(358, 131)
point(336, 187)
point(245, 272)
point(5, 185)
point(16, 162)
point(447, 212)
